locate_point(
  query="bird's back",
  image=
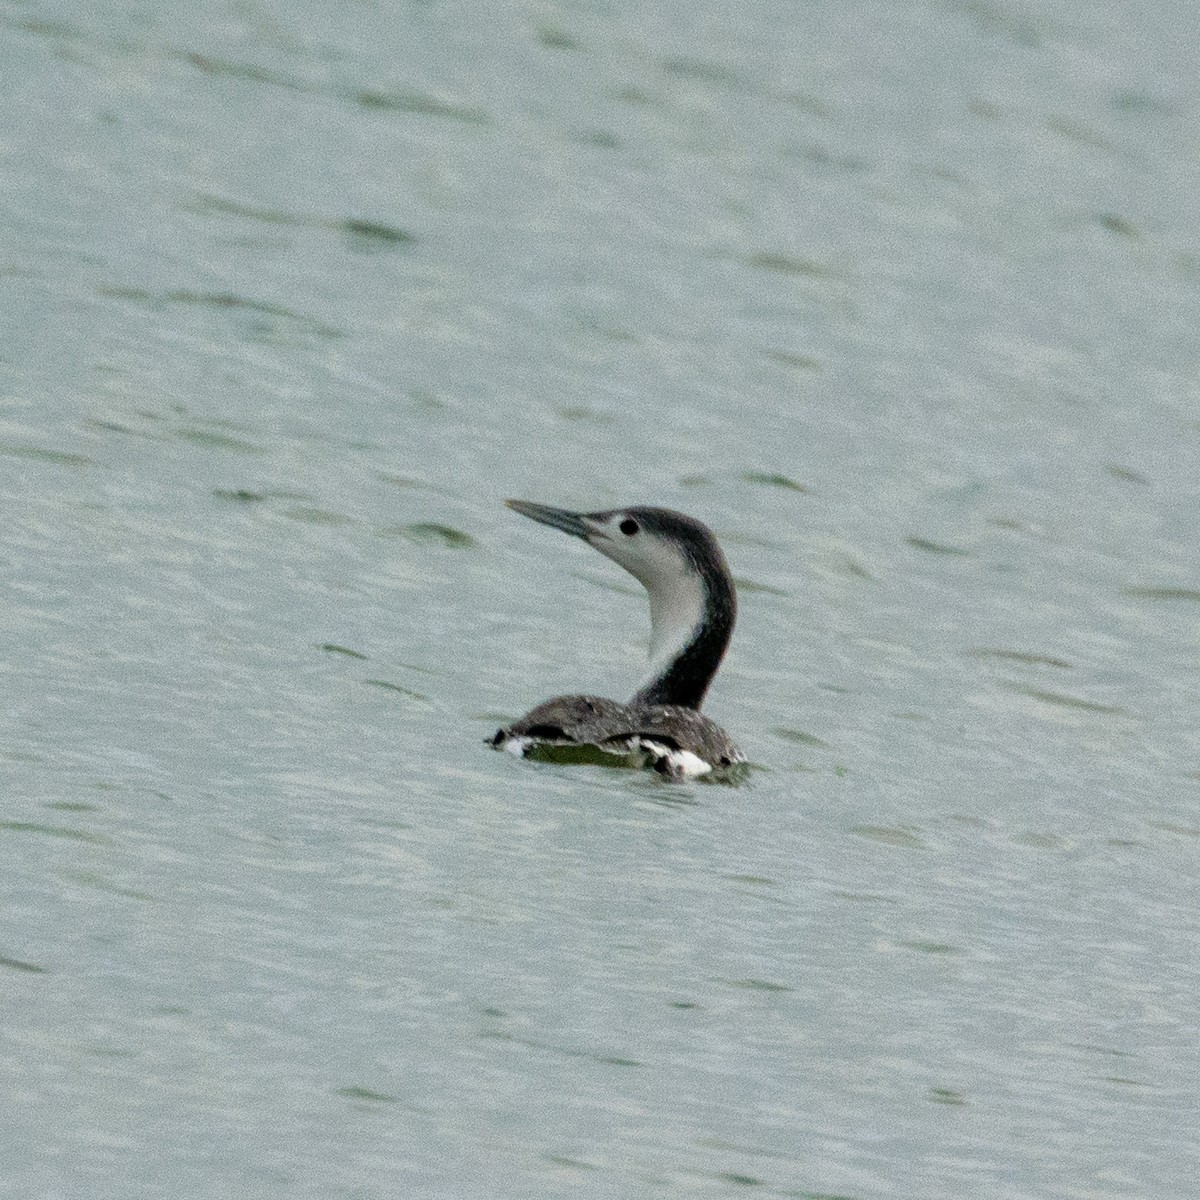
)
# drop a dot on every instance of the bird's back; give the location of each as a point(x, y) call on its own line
point(676, 741)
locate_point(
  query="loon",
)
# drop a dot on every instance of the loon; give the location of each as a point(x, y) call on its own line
point(693, 606)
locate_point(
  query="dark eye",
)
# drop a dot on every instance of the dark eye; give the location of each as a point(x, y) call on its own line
point(628, 527)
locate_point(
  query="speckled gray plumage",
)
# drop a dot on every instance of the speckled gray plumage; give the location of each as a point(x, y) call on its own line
point(653, 730)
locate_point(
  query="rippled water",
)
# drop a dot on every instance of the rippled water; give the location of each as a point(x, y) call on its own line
point(901, 299)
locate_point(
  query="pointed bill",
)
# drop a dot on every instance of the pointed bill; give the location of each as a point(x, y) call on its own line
point(556, 518)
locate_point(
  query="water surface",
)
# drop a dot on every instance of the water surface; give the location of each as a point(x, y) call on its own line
point(901, 300)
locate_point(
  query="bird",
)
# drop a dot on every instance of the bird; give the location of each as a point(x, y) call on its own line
point(693, 607)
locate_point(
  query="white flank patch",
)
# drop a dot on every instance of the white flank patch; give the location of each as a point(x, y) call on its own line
point(518, 745)
point(689, 765)
point(683, 763)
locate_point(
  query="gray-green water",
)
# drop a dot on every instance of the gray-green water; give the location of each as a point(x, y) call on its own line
point(901, 298)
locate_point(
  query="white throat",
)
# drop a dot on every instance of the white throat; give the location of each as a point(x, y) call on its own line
point(676, 612)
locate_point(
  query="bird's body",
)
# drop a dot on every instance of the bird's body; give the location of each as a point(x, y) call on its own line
point(693, 607)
